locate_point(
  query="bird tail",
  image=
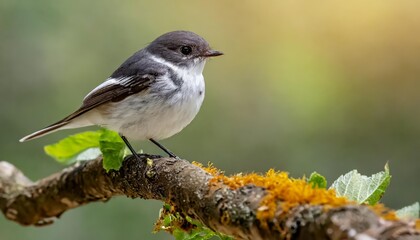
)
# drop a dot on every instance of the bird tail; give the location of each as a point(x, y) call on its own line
point(50, 129)
point(74, 120)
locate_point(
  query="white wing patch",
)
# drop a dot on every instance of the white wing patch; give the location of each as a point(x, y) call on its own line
point(108, 82)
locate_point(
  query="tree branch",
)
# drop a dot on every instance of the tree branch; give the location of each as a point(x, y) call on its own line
point(186, 186)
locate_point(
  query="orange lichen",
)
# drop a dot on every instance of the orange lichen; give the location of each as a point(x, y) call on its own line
point(289, 192)
point(210, 168)
point(384, 212)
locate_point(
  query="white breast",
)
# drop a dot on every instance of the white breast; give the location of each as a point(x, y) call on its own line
point(147, 115)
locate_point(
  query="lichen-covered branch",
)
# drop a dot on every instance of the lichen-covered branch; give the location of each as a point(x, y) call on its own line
point(189, 188)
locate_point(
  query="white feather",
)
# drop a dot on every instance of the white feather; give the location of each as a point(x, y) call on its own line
point(109, 81)
point(145, 115)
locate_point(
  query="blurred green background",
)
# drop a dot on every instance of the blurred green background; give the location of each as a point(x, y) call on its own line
point(304, 86)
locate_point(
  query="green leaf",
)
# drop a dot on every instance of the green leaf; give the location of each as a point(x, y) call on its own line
point(200, 232)
point(184, 227)
point(113, 150)
point(409, 212)
point(86, 155)
point(362, 189)
point(317, 180)
point(89, 145)
point(67, 150)
point(195, 234)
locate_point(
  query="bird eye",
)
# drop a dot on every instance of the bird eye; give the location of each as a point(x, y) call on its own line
point(186, 50)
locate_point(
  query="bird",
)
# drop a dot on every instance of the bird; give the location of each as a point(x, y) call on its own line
point(153, 95)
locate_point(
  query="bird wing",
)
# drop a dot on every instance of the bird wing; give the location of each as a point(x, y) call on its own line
point(135, 75)
point(112, 90)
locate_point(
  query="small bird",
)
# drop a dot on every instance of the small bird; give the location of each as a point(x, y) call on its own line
point(153, 95)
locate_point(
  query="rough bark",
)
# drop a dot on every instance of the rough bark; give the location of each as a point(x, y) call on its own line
point(187, 187)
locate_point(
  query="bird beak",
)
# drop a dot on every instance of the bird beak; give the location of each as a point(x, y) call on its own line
point(212, 53)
